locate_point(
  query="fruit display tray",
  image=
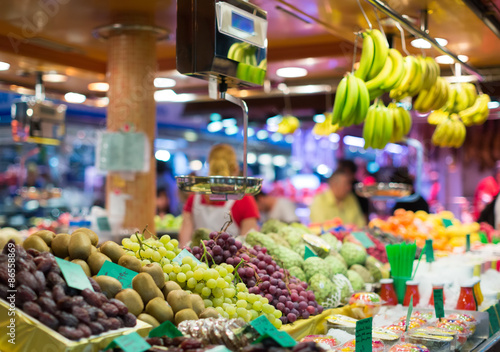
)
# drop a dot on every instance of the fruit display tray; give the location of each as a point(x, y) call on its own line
point(31, 335)
point(220, 187)
point(382, 190)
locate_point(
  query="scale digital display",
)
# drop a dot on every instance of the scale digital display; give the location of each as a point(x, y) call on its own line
point(242, 23)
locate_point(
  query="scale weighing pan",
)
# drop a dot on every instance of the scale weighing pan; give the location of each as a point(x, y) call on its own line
point(224, 42)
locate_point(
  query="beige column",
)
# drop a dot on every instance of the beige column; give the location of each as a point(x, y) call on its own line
point(131, 71)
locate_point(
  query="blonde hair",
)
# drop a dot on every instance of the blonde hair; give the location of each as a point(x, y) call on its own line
point(222, 161)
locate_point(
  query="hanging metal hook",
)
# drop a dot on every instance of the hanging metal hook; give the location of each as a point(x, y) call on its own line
point(355, 50)
point(403, 41)
point(365, 16)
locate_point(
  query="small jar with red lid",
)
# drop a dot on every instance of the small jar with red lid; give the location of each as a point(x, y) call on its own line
point(411, 291)
point(387, 292)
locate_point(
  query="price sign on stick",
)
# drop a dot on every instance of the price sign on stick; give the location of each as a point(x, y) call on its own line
point(364, 335)
point(122, 274)
point(438, 302)
point(408, 315)
point(74, 275)
point(132, 342)
point(429, 251)
point(309, 253)
point(165, 329)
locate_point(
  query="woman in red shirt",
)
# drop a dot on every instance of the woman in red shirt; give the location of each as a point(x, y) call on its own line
point(200, 211)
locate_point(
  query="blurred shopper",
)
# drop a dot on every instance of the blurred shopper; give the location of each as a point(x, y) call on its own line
point(351, 169)
point(401, 175)
point(162, 202)
point(278, 208)
point(201, 212)
point(491, 213)
point(338, 201)
point(486, 191)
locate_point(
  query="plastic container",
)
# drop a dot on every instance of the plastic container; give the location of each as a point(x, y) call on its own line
point(423, 315)
point(350, 346)
point(388, 337)
point(341, 322)
point(469, 320)
point(457, 327)
point(408, 347)
point(368, 302)
point(435, 286)
point(466, 299)
point(413, 324)
point(411, 291)
point(434, 342)
point(435, 331)
point(388, 293)
point(325, 341)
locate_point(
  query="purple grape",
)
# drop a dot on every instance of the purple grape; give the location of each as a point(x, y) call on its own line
point(280, 306)
point(302, 305)
point(225, 236)
point(291, 317)
point(220, 242)
point(210, 243)
point(286, 311)
point(320, 309)
point(289, 304)
point(250, 283)
point(237, 260)
point(226, 254)
point(217, 250)
point(311, 309)
point(272, 290)
point(282, 285)
point(305, 314)
point(282, 299)
point(269, 297)
point(229, 261)
point(218, 259)
point(238, 244)
point(213, 235)
point(233, 249)
point(261, 265)
point(279, 292)
point(249, 272)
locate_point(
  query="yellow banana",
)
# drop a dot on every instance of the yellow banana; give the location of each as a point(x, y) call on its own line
point(369, 126)
point(367, 56)
point(483, 110)
point(416, 84)
point(381, 52)
point(363, 102)
point(397, 129)
point(377, 81)
point(408, 122)
point(398, 68)
point(410, 71)
point(232, 50)
point(388, 126)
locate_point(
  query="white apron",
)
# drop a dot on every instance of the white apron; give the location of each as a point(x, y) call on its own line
point(213, 217)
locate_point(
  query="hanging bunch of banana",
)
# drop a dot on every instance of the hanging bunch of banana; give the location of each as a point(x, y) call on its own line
point(288, 124)
point(401, 122)
point(450, 132)
point(437, 116)
point(420, 73)
point(433, 98)
point(351, 102)
point(378, 127)
point(242, 52)
point(478, 113)
point(326, 128)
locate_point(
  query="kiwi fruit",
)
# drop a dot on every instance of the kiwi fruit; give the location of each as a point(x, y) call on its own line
point(144, 284)
point(79, 246)
point(156, 272)
point(197, 303)
point(84, 266)
point(94, 240)
point(130, 262)
point(209, 313)
point(113, 250)
point(96, 261)
point(45, 235)
point(93, 250)
point(169, 287)
point(149, 319)
point(160, 310)
point(37, 243)
point(109, 285)
point(60, 245)
point(179, 300)
point(185, 314)
point(132, 300)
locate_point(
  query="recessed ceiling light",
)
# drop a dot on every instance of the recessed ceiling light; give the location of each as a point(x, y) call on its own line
point(76, 98)
point(421, 43)
point(161, 82)
point(98, 86)
point(4, 66)
point(493, 105)
point(448, 60)
point(102, 102)
point(54, 77)
point(291, 72)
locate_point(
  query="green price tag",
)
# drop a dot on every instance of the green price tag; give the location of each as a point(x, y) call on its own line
point(363, 239)
point(185, 253)
point(165, 329)
point(308, 253)
point(494, 321)
point(364, 335)
point(103, 223)
point(467, 243)
point(119, 272)
point(264, 327)
point(447, 223)
point(74, 275)
point(132, 342)
point(429, 251)
point(408, 315)
point(284, 339)
point(438, 303)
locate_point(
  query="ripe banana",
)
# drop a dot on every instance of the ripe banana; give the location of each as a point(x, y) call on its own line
point(340, 98)
point(367, 55)
point(326, 128)
point(288, 124)
point(369, 126)
point(450, 132)
point(351, 100)
point(363, 102)
point(381, 52)
point(379, 126)
point(478, 113)
point(383, 75)
point(418, 80)
point(399, 92)
point(397, 73)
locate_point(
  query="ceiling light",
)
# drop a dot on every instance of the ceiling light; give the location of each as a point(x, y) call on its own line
point(215, 117)
point(289, 139)
point(394, 148)
point(493, 105)
point(250, 132)
point(279, 161)
point(276, 137)
point(164, 82)
point(421, 43)
point(262, 134)
point(215, 126)
point(291, 72)
point(165, 95)
point(323, 169)
point(334, 138)
point(54, 77)
point(448, 60)
point(4, 66)
point(231, 130)
point(354, 141)
point(76, 98)
point(162, 155)
point(228, 122)
point(251, 158)
point(102, 102)
point(195, 165)
point(98, 86)
point(190, 136)
point(319, 118)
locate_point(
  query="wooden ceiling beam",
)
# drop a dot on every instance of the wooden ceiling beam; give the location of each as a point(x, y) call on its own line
point(47, 55)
